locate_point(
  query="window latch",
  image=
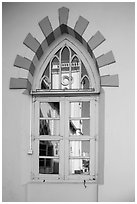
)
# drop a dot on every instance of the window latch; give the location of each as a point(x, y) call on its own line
point(85, 184)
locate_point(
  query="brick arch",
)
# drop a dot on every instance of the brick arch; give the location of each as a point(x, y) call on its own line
point(52, 35)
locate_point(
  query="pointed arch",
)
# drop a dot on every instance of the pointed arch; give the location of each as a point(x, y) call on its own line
point(82, 54)
point(51, 37)
point(85, 82)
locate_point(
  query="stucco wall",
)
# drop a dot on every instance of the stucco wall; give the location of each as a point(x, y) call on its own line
point(116, 22)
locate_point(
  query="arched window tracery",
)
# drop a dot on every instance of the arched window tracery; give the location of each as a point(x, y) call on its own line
point(65, 70)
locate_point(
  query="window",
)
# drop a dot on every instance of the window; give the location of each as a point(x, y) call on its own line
point(64, 126)
point(65, 145)
point(65, 71)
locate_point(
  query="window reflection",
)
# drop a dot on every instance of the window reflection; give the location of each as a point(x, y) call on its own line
point(79, 166)
point(79, 127)
point(49, 127)
point(80, 109)
point(48, 148)
point(48, 166)
point(49, 110)
point(80, 148)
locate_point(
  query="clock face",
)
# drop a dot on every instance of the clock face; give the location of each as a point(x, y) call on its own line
point(65, 80)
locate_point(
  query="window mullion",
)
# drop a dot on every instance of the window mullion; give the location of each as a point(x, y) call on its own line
point(62, 147)
point(79, 63)
point(66, 139)
point(70, 74)
point(60, 70)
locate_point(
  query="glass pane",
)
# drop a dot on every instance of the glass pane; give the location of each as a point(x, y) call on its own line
point(75, 73)
point(79, 166)
point(49, 110)
point(72, 53)
point(45, 83)
point(85, 83)
point(48, 148)
point(79, 127)
point(48, 166)
point(84, 77)
point(65, 66)
point(80, 148)
point(80, 109)
point(65, 55)
point(49, 127)
point(83, 70)
point(55, 73)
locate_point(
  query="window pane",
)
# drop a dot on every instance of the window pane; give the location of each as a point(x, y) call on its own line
point(79, 166)
point(80, 148)
point(48, 166)
point(49, 110)
point(65, 66)
point(49, 127)
point(80, 109)
point(45, 83)
point(55, 74)
point(85, 83)
point(65, 55)
point(48, 148)
point(83, 70)
point(79, 127)
point(75, 73)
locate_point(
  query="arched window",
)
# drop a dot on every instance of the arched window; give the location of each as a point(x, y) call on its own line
point(65, 71)
point(64, 67)
point(65, 111)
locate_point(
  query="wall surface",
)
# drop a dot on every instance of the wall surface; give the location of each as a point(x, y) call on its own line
point(116, 23)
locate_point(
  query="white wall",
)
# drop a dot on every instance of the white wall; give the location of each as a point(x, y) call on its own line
point(116, 22)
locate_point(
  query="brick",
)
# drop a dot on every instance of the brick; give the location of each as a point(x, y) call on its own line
point(50, 38)
point(96, 40)
point(81, 25)
point(64, 28)
point(44, 45)
point(31, 43)
point(22, 62)
point(45, 26)
point(19, 83)
point(105, 59)
point(110, 81)
point(63, 15)
point(39, 52)
point(71, 31)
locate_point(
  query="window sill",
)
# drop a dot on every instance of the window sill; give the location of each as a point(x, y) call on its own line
point(44, 181)
point(62, 92)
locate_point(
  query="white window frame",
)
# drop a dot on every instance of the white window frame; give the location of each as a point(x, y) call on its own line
point(64, 138)
point(81, 51)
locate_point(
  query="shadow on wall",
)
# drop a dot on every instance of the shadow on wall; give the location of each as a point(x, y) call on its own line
point(101, 138)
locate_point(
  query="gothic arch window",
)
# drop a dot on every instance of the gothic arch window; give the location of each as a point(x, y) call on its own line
point(67, 66)
point(64, 82)
point(65, 71)
point(64, 122)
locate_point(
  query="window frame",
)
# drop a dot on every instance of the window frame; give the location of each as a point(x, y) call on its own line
point(63, 175)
